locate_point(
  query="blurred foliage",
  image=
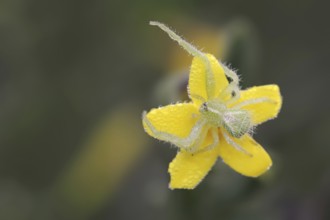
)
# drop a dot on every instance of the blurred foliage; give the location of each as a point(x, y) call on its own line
point(108, 155)
point(76, 75)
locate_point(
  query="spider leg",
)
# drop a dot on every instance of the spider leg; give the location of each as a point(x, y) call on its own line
point(233, 87)
point(185, 142)
point(199, 141)
point(253, 101)
point(187, 46)
point(234, 144)
point(231, 74)
point(198, 97)
point(232, 90)
point(215, 136)
point(210, 86)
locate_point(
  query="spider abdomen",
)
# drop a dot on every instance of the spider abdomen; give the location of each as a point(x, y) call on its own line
point(237, 122)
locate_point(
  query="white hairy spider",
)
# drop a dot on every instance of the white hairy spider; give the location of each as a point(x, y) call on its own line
point(215, 113)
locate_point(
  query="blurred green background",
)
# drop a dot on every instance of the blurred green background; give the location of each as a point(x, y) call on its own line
point(75, 77)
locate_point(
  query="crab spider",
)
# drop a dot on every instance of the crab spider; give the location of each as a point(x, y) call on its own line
point(215, 115)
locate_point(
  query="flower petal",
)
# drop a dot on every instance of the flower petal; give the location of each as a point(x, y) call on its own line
point(187, 170)
point(262, 111)
point(197, 78)
point(175, 119)
point(253, 164)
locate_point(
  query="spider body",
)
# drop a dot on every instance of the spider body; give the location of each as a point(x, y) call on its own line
point(237, 122)
point(214, 116)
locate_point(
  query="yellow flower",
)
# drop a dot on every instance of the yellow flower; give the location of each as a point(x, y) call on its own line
point(218, 122)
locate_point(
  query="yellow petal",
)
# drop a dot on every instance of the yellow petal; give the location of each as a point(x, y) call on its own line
point(264, 111)
point(253, 164)
point(197, 78)
point(175, 119)
point(187, 170)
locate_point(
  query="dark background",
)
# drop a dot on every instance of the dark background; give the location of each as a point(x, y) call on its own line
point(76, 75)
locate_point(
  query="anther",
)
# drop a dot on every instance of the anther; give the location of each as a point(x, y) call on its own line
point(233, 93)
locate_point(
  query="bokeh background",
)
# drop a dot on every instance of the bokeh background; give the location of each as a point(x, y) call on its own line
point(75, 77)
